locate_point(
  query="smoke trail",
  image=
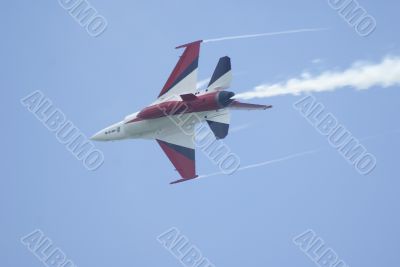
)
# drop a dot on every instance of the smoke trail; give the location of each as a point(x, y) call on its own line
point(360, 75)
point(263, 34)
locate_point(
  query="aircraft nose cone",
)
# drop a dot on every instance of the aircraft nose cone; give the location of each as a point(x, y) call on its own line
point(100, 136)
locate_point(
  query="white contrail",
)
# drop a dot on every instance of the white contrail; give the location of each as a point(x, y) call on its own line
point(296, 155)
point(380, 135)
point(289, 157)
point(263, 34)
point(361, 76)
point(239, 128)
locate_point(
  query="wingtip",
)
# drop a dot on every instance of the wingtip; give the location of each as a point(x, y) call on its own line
point(183, 180)
point(267, 107)
point(189, 44)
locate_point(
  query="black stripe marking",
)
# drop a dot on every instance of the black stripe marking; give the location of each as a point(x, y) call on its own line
point(219, 129)
point(223, 67)
point(193, 66)
point(186, 151)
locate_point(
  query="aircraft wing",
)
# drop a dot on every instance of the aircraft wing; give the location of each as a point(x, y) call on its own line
point(183, 79)
point(179, 147)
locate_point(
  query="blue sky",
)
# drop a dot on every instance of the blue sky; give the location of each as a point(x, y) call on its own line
point(112, 216)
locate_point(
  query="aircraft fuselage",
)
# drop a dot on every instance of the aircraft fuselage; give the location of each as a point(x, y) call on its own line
point(155, 119)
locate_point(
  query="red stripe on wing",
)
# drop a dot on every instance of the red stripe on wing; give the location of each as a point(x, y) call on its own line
point(182, 158)
point(188, 58)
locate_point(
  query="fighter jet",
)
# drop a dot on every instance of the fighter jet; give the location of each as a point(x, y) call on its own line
point(181, 101)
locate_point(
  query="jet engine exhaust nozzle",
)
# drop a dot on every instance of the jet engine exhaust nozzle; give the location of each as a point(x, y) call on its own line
point(224, 98)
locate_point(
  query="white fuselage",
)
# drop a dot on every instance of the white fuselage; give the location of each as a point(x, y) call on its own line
point(149, 129)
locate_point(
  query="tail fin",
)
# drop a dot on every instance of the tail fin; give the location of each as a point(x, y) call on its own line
point(222, 76)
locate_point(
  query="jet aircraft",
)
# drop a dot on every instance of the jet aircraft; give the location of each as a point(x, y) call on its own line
point(181, 101)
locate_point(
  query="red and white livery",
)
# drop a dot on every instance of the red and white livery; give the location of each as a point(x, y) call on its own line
point(180, 98)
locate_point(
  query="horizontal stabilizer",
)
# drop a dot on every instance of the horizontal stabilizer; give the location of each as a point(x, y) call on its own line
point(219, 129)
point(247, 106)
point(219, 124)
